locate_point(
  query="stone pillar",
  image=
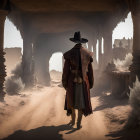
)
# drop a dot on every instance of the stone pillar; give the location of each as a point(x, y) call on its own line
point(3, 15)
point(100, 53)
point(89, 45)
point(94, 48)
point(42, 58)
point(27, 59)
point(95, 64)
point(107, 47)
point(42, 69)
point(46, 72)
point(134, 6)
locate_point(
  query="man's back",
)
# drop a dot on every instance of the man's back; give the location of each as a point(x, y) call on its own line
point(77, 79)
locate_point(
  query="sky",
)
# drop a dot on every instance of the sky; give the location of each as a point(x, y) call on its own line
point(12, 38)
point(124, 29)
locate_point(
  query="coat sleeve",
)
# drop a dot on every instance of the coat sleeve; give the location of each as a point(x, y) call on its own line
point(65, 75)
point(90, 74)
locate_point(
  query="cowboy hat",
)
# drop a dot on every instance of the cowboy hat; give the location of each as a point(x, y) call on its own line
point(77, 38)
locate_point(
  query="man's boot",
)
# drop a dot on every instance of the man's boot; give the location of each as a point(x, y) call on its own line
point(72, 122)
point(79, 126)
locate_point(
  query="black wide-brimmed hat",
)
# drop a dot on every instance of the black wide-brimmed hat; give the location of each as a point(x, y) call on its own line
point(77, 38)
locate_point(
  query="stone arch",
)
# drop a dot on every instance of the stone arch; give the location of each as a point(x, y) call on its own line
point(105, 21)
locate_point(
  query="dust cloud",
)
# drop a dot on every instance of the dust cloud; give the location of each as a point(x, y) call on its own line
point(44, 106)
point(124, 64)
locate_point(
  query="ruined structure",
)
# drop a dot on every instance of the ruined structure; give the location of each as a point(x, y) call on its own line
point(126, 43)
point(122, 47)
point(45, 27)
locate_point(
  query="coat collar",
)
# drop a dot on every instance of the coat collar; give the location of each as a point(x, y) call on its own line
point(77, 46)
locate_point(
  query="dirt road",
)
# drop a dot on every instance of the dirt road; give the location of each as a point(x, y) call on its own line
point(43, 117)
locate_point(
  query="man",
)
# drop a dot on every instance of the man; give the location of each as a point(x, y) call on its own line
point(77, 79)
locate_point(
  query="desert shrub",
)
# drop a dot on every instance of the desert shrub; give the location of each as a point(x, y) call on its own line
point(17, 71)
point(134, 100)
point(13, 85)
point(134, 97)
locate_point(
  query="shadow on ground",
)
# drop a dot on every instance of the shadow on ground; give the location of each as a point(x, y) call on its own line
point(125, 134)
point(41, 133)
point(110, 102)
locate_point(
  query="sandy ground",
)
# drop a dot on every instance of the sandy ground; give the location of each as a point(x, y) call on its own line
point(39, 114)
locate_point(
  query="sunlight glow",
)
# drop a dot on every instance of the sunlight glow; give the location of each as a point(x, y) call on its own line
point(102, 47)
point(97, 51)
point(124, 29)
point(12, 37)
point(87, 45)
point(92, 48)
point(55, 62)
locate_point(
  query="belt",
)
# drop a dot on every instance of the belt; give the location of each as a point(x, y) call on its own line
point(75, 71)
point(77, 78)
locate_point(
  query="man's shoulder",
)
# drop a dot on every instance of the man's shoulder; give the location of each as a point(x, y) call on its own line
point(86, 51)
point(68, 54)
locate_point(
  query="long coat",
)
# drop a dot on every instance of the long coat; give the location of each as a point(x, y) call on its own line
point(72, 58)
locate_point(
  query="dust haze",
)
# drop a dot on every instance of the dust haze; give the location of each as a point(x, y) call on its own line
point(44, 106)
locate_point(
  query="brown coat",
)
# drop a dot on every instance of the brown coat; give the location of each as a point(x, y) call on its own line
point(71, 61)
